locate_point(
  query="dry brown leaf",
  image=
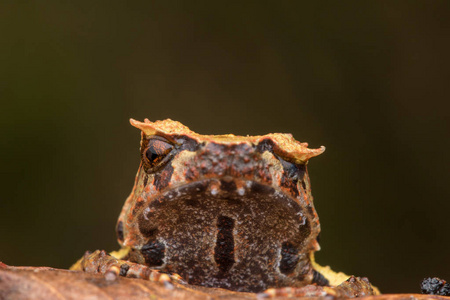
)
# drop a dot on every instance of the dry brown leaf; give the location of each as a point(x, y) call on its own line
point(48, 283)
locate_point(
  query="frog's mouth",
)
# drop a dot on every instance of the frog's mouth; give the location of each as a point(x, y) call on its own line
point(215, 231)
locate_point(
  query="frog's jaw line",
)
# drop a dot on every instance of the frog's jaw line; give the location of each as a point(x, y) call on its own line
point(238, 234)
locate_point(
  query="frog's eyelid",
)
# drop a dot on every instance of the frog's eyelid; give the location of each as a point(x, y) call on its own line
point(164, 138)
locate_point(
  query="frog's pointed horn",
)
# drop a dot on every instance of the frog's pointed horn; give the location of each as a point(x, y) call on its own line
point(146, 126)
point(314, 152)
point(292, 150)
point(303, 154)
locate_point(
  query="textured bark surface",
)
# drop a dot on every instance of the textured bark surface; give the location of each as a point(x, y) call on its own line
point(48, 283)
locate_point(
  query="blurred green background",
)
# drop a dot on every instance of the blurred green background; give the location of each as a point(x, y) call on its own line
point(369, 80)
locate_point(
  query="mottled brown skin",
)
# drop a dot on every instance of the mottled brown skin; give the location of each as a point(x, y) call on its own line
point(221, 211)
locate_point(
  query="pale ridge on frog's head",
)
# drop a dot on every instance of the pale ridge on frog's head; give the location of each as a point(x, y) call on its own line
point(222, 210)
point(285, 143)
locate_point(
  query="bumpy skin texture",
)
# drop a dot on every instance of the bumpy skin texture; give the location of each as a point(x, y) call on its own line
point(222, 211)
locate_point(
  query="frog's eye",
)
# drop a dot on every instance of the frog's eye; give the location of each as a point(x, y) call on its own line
point(155, 152)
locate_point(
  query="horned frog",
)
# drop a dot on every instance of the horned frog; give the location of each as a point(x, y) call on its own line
point(233, 212)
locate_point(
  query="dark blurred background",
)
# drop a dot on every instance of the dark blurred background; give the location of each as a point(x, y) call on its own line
point(369, 80)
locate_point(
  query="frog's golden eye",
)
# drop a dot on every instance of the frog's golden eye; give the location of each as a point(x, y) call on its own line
point(157, 149)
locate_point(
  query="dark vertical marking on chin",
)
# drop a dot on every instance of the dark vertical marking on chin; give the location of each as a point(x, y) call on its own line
point(224, 250)
point(153, 253)
point(319, 279)
point(289, 258)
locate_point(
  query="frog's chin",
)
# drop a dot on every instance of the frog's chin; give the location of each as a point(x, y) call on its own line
point(205, 201)
point(224, 226)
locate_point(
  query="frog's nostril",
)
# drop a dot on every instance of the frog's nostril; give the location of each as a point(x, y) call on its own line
point(224, 250)
point(228, 185)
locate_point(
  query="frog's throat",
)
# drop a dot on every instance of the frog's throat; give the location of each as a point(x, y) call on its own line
point(216, 230)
